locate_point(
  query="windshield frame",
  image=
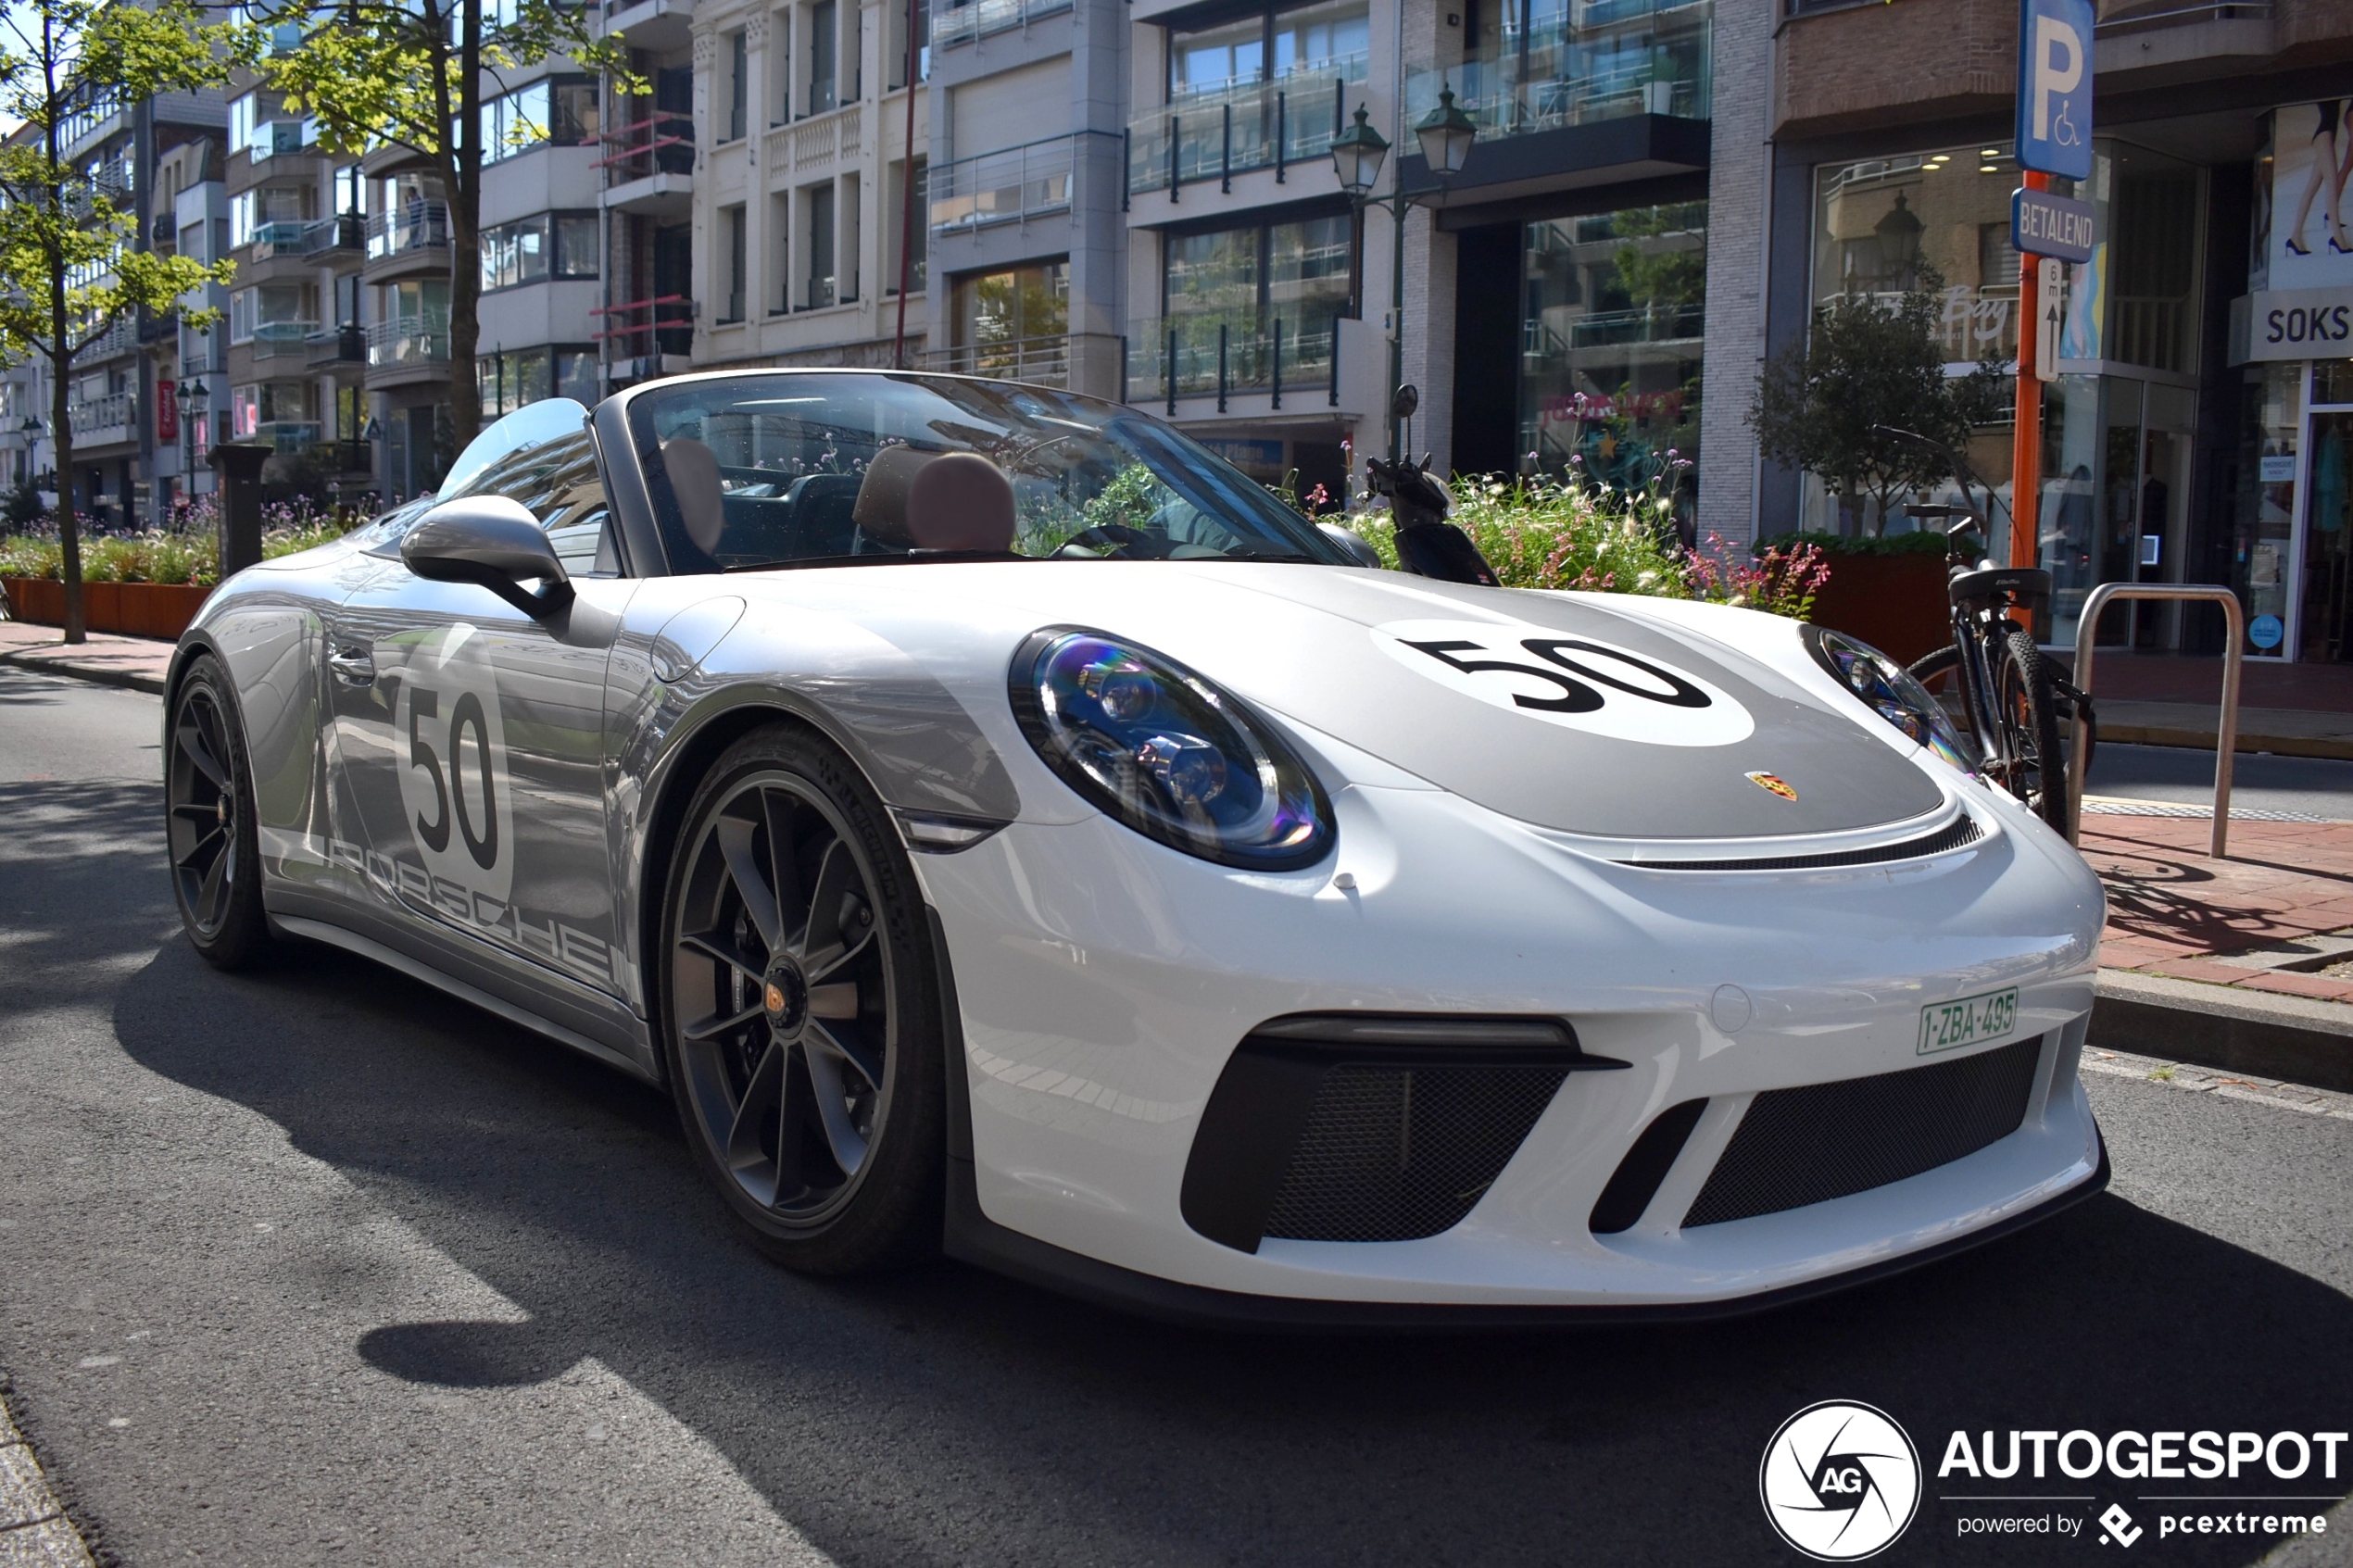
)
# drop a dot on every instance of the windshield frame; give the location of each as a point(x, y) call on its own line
point(624, 424)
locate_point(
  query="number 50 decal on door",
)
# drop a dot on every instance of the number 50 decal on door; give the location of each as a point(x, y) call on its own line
point(1576, 682)
point(449, 743)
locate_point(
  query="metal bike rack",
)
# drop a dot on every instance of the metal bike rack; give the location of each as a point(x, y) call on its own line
point(2226, 739)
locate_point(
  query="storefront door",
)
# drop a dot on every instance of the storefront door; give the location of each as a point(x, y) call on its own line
point(2326, 635)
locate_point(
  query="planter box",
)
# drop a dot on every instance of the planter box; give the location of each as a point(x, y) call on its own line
point(1896, 603)
point(129, 609)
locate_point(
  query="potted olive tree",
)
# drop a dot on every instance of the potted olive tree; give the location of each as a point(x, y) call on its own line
point(1871, 362)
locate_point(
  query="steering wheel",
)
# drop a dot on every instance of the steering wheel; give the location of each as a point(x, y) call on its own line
point(1113, 541)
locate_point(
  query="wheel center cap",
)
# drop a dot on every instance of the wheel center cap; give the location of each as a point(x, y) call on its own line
point(221, 811)
point(784, 995)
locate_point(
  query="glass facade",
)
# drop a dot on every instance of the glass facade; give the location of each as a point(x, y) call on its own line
point(1613, 308)
point(1242, 306)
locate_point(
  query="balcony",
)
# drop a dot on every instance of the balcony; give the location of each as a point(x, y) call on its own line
point(1011, 186)
point(960, 24)
point(331, 347)
point(103, 421)
point(646, 334)
point(405, 342)
point(121, 338)
point(1172, 357)
point(345, 232)
point(282, 138)
point(415, 237)
point(286, 435)
point(281, 236)
point(90, 123)
point(276, 340)
point(658, 25)
point(650, 167)
point(1230, 131)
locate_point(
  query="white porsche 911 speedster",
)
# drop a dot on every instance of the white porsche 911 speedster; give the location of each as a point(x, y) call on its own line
point(1005, 828)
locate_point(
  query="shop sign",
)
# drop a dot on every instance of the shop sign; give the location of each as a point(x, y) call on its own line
point(2044, 224)
point(2292, 324)
point(2055, 88)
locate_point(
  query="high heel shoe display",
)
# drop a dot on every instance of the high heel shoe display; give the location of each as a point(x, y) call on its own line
point(2295, 249)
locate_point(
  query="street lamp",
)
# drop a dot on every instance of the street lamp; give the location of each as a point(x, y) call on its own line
point(193, 398)
point(1899, 242)
point(1445, 134)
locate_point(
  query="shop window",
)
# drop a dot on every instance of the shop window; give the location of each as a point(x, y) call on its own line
point(1614, 308)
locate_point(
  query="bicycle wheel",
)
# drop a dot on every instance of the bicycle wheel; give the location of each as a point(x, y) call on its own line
point(2032, 764)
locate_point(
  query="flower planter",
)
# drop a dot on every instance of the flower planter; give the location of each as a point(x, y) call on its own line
point(130, 609)
point(1896, 603)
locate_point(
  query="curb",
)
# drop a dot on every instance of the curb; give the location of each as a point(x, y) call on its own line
point(2326, 747)
point(130, 679)
point(33, 1530)
point(2264, 1035)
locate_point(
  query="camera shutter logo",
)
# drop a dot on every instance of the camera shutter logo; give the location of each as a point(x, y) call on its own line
point(1841, 1481)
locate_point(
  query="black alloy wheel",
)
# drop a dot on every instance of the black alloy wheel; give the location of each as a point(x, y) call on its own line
point(797, 1009)
point(209, 827)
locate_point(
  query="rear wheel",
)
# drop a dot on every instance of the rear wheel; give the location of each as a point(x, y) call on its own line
point(2033, 765)
point(797, 1011)
point(209, 828)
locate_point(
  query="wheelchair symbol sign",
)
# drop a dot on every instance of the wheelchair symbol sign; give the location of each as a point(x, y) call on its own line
point(2054, 87)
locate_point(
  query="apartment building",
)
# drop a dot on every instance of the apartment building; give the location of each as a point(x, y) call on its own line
point(812, 149)
point(2201, 429)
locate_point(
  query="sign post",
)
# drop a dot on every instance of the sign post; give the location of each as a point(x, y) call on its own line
point(2054, 137)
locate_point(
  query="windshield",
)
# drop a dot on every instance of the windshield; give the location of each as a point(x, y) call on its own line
point(767, 471)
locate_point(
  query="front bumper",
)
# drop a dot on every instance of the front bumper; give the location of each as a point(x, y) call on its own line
point(1103, 984)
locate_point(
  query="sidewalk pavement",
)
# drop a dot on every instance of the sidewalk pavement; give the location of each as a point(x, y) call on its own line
point(2243, 964)
point(139, 663)
point(2284, 732)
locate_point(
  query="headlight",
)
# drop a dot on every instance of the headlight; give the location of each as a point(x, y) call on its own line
point(1888, 690)
point(1166, 753)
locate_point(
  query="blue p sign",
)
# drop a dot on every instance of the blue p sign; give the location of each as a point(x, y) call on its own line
point(2054, 87)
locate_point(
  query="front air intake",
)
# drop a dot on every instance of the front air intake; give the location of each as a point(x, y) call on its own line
point(1369, 1127)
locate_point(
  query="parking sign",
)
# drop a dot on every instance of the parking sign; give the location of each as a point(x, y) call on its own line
point(2054, 87)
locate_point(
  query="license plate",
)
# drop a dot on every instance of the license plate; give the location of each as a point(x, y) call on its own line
point(1972, 1020)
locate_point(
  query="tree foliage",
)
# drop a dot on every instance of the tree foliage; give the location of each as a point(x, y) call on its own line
point(1872, 361)
point(71, 264)
point(415, 75)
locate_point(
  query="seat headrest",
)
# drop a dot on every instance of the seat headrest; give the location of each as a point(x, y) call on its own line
point(693, 469)
point(961, 501)
point(881, 511)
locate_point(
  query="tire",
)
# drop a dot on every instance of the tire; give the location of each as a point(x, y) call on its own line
point(803, 1049)
point(2034, 763)
point(211, 831)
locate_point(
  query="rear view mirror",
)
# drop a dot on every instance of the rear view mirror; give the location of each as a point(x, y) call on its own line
point(493, 542)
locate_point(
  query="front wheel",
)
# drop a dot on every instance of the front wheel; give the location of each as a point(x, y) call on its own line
point(799, 1013)
point(211, 831)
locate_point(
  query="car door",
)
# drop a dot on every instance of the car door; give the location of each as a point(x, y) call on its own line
point(470, 736)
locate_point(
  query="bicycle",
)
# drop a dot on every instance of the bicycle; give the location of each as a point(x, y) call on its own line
point(2016, 705)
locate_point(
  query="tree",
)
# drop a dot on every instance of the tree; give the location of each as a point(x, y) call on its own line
point(417, 74)
point(1869, 361)
point(72, 266)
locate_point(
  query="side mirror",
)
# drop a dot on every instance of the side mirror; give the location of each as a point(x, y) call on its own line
point(494, 543)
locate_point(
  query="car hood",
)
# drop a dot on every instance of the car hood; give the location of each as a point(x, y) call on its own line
point(1631, 729)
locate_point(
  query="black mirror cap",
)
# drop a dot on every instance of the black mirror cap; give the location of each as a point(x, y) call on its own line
point(490, 541)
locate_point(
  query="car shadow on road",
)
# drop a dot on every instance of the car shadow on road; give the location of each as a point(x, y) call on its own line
point(892, 1418)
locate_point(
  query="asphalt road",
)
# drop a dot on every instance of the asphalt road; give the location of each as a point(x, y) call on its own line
point(2178, 775)
point(317, 1267)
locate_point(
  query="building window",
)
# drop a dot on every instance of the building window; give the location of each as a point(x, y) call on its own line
point(560, 111)
point(1614, 307)
point(273, 312)
point(739, 81)
point(1333, 38)
point(518, 376)
point(822, 56)
point(919, 248)
point(256, 410)
point(732, 220)
point(820, 289)
point(1297, 272)
point(535, 249)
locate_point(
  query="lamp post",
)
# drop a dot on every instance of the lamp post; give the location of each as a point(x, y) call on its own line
point(193, 398)
point(1445, 134)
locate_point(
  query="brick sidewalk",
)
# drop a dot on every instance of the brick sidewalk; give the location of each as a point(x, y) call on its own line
point(2173, 911)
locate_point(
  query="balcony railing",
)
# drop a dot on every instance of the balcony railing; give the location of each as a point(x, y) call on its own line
point(279, 236)
point(286, 435)
point(123, 337)
point(79, 122)
point(1618, 58)
point(274, 340)
point(345, 344)
point(410, 340)
point(663, 142)
point(1011, 186)
point(346, 230)
point(282, 138)
point(957, 23)
point(1044, 360)
point(417, 226)
point(1229, 131)
point(1174, 356)
point(109, 412)
point(647, 327)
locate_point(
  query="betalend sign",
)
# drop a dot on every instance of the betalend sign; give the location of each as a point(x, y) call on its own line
point(2054, 87)
point(2044, 224)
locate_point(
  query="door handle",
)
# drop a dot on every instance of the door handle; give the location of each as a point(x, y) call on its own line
point(353, 662)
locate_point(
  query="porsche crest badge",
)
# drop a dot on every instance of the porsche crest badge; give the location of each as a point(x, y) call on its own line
point(1773, 782)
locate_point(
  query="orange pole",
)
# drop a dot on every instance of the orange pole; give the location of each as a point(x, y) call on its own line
point(2026, 456)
